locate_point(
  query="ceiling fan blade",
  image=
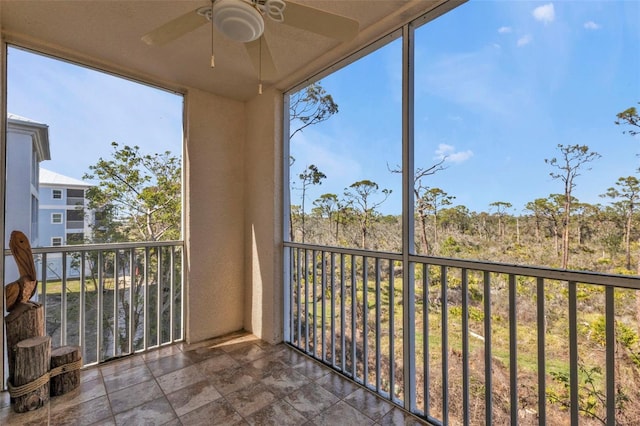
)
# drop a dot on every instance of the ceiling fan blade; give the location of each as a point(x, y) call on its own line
point(320, 22)
point(175, 28)
point(268, 69)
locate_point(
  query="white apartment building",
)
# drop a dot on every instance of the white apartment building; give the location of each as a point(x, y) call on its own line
point(27, 147)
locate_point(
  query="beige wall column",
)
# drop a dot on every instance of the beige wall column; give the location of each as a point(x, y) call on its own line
point(214, 211)
point(263, 224)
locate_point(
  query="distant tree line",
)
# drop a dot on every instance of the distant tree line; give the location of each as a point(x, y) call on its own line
point(558, 231)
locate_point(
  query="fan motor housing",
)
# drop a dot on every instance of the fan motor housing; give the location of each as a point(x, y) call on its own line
point(237, 20)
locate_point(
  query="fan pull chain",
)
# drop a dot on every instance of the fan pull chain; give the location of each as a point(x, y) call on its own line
point(260, 68)
point(213, 61)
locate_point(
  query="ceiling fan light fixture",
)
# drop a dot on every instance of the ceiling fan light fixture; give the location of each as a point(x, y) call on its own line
point(237, 20)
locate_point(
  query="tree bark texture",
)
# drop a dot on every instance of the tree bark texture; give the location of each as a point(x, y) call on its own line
point(32, 362)
point(24, 322)
point(69, 380)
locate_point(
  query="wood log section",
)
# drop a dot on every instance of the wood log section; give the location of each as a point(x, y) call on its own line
point(69, 380)
point(31, 373)
point(25, 321)
point(24, 288)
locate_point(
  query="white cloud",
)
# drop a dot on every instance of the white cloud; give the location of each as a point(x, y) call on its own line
point(590, 25)
point(545, 13)
point(449, 153)
point(504, 30)
point(524, 40)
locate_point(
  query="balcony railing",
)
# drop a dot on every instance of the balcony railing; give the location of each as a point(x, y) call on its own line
point(467, 342)
point(111, 299)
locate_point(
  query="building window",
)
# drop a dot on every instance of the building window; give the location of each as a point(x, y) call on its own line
point(57, 194)
point(56, 241)
point(75, 219)
point(76, 238)
point(75, 197)
point(56, 217)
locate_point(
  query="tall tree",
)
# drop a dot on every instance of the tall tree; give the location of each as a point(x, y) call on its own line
point(419, 189)
point(310, 176)
point(307, 107)
point(628, 192)
point(501, 211)
point(137, 195)
point(549, 210)
point(334, 210)
point(360, 195)
point(573, 159)
point(629, 117)
point(432, 200)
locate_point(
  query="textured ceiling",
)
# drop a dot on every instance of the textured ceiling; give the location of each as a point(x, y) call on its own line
point(107, 34)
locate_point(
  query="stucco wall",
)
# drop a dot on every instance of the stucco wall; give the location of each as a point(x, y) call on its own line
point(214, 173)
point(263, 224)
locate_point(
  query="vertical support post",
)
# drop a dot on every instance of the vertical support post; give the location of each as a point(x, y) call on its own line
point(333, 309)
point(314, 283)
point(63, 302)
point(100, 309)
point(132, 277)
point(573, 352)
point(323, 290)
point(610, 325)
point(542, 394)
point(425, 338)
point(513, 350)
point(147, 323)
point(465, 348)
point(408, 286)
point(83, 307)
point(488, 378)
point(343, 314)
point(172, 289)
point(287, 272)
point(159, 303)
point(365, 320)
point(116, 320)
point(392, 333)
point(444, 303)
point(378, 327)
point(354, 319)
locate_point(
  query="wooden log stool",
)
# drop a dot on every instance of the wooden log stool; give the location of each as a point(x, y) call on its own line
point(66, 362)
point(29, 385)
point(26, 320)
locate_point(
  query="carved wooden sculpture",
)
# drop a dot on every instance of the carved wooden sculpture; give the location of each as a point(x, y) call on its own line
point(22, 289)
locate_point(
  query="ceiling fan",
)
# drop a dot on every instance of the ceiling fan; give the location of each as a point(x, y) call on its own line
point(244, 21)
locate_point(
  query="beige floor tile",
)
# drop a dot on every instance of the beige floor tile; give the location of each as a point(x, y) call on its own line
point(311, 400)
point(85, 413)
point(133, 396)
point(278, 414)
point(367, 402)
point(156, 412)
point(124, 378)
point(251, 399)
point(219, 412)
point(192, 397)
point(341, 414)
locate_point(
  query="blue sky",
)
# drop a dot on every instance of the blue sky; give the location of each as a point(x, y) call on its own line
point(87, 110)
point(499, 84)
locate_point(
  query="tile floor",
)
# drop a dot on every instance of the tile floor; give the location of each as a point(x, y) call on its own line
point(234, 380)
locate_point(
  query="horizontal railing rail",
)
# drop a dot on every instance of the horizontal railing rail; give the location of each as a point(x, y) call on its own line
point(111, 299)
point(493, 342)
